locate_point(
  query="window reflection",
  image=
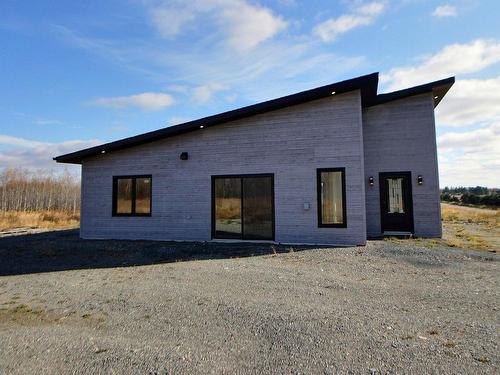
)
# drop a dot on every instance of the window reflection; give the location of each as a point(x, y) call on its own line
point(332, 201)
point(395, 190)
point(132, 195)
point(124, 196)
point(143, 195)
point(227, 207)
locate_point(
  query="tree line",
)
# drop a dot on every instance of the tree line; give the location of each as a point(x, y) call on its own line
point(478, 195)
point(28, 190)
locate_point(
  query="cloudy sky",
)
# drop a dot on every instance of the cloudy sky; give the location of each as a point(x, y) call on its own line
point(77, 73)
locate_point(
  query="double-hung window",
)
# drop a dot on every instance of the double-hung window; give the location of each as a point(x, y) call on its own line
point(132, 195)
point(331, 197)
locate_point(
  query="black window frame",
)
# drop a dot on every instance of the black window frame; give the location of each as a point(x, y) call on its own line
point(344, 201)
point(134, 179)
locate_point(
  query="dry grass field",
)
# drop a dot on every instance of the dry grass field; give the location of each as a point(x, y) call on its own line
point(470, 227)
point(39, 219)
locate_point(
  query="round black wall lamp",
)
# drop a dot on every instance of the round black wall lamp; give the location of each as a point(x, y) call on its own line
point(184, 156)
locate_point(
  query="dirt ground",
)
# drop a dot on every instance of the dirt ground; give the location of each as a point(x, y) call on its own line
point(117, 307)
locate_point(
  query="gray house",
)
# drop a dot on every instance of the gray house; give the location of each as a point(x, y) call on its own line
point(333, 165)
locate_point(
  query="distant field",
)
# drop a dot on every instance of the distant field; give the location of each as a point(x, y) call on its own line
point(39, 219)
point(471, 227)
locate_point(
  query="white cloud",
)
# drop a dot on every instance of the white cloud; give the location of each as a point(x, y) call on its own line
point(21, 142)
point(331, 29)
point(169, 20)
point(454, 59)
point(471, 101)
point(150, 101)
point(445, 11)
point(473, 141)
point(277, 67)
point(204, 93)
point(30, 154)
point(249, 25)
point(372, 9)
point(470, 158)
point(245, 25)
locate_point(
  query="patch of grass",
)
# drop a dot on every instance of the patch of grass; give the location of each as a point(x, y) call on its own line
point(25, 309)
point(21, 313)
point(452, 243)
point(39, 219)
point(273, 250)
point(392, 239)
point(470, 227)
point(449, 344)
point(461, 214)
point(482, 359)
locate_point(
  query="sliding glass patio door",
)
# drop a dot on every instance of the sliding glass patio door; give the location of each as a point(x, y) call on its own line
point(243, 207)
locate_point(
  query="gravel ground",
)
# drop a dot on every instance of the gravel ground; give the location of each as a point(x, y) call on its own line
point(74, 306)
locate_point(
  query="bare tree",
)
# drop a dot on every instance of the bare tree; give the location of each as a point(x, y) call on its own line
point(26, 190)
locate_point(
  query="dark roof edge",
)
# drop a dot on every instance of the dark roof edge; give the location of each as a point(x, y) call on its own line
point(438, 88)
point(367, 84)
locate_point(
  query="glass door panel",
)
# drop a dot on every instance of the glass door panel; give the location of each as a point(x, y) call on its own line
point(257, 208)
point(227, 195)
point(395, 192)
point(243, 207)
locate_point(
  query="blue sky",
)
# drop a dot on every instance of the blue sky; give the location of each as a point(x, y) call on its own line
point(75, 74)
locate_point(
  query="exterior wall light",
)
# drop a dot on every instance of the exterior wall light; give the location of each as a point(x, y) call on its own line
point(184, 156)
point(420, 179)
point(370, 181)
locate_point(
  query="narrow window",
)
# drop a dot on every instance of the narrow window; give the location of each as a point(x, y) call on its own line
point(396, 202)
point(132, 196)
point(331, 198)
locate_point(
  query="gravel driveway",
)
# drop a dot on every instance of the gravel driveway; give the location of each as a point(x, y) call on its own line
point(74, 306)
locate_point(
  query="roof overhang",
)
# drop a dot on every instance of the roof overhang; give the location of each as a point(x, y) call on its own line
point(438, 89)
point(367, 85)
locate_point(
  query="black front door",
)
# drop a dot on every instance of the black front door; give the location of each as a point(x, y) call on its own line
point(396, 205)
point(243, 207)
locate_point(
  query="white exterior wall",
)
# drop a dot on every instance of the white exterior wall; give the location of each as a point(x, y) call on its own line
point(400, 136)
point(291, 143)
